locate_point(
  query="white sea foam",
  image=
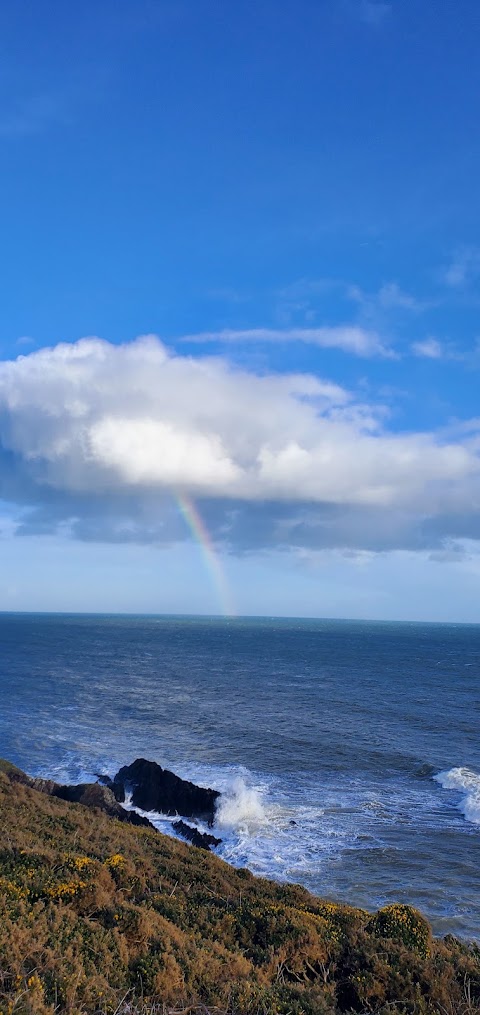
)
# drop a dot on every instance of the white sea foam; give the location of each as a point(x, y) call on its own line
point(240, 805)
point(468, 784)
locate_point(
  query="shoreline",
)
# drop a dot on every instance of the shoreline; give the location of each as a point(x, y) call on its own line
point(94, 909)
point(202, 831)
point(120, 805)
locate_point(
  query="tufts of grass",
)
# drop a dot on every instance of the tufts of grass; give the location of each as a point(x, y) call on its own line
point(99, 917)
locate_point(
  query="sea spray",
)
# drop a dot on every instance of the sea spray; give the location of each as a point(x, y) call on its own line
point(467, 783)
point(240, 805)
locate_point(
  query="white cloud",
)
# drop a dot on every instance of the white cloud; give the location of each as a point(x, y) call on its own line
point(93, 419)
point(463, 269)
point(389, 297)
point(348, 338)
point(152, 451)
point(377, 313)
point(429, 348)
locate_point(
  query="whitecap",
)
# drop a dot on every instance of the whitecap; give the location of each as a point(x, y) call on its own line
point(467, 782)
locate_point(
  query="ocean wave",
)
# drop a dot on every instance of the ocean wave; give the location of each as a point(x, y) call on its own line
point(466, 782)
point(240, 805)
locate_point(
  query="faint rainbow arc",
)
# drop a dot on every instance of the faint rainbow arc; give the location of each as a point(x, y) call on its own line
point(202, 536)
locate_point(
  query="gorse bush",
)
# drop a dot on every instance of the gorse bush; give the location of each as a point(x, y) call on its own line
point(99, 916)
point(402, 923)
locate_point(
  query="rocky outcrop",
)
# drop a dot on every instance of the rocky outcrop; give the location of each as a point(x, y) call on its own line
point(87, 794)
point(17, 775)
point(95, 795)
point(104, 779)
point(201, 839)
point(154, 788)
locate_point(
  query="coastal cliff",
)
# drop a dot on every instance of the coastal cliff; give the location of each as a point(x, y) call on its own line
point(100, 915)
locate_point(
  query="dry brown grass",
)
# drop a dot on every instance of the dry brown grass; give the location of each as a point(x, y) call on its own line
point(102, 917)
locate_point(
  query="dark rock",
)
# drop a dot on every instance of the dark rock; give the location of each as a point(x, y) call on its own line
point(201, 839)
point(71, 793)
point(105, 780)
point(132, 818)
point(154, 788)
point(95, 795)
point(88, 794)
point(424, 772)
point(47, 786)
point(118, 790)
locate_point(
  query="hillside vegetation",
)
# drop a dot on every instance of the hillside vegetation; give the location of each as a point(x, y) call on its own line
point(101, 916)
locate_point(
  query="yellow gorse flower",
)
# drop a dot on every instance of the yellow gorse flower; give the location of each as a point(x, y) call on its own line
point(67, 889)
point(81, 862)
point(115, 861)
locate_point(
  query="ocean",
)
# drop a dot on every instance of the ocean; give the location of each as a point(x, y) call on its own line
point(347, 753)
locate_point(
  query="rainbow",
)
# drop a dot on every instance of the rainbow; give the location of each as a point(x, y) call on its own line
point(201, 535)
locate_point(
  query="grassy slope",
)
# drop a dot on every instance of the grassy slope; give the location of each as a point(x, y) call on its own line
point(91, 909)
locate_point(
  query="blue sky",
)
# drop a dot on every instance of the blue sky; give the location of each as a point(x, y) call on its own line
point(286, 196)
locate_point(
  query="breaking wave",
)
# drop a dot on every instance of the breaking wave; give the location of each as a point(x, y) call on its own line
point(467, 783)
point(240, 805)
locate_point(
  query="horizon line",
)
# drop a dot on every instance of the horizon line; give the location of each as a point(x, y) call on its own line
point(235, 618)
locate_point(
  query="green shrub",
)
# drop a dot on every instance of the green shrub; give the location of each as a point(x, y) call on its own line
point(405, 924)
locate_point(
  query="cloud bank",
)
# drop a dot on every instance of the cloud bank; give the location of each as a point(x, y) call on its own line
point(99, 437)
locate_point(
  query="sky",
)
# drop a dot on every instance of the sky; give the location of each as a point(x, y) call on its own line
point(239, 316)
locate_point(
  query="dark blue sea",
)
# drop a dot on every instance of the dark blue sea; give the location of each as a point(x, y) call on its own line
point(348, 753)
